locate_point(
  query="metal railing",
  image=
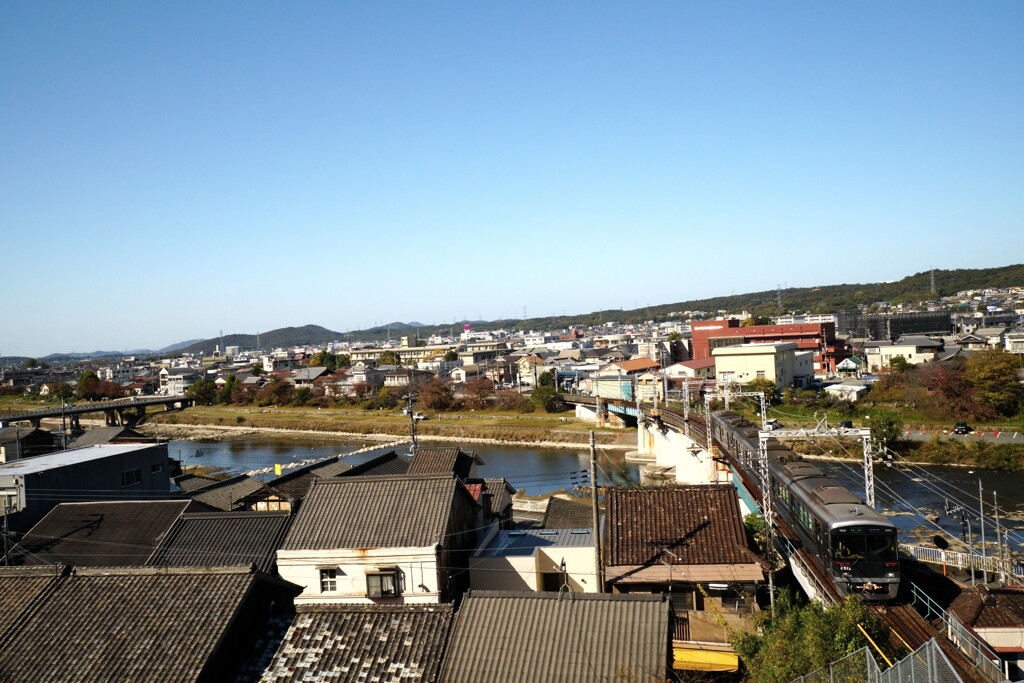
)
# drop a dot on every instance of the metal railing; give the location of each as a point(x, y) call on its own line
point(927, 664)
point(955, 558)
point(973, 647)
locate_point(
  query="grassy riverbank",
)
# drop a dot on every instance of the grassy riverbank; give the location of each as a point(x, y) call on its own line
point(558, 429)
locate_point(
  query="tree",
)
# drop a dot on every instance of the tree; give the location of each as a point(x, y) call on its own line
point(88, 385)
point(753, 321)
point(62, 391)
point(436, 394)
point(389, 357)
point(324, 359)
point(803, 637)
point(546, 379)
point(278, 392)
point(886, 430)
point(765, 386)
point(343, 360)
point(202, 392)
point(546, 398)
point(674, 336)
point(226, 393)
point(451, 356)
point(256, 369)
point(900, 364)
point(994, 377)
point(30, 363)
point(478, 393)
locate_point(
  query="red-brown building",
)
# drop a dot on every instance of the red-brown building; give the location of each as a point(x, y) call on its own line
point(818, 337)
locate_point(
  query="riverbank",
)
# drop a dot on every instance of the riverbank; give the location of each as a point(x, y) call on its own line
point(470, 435)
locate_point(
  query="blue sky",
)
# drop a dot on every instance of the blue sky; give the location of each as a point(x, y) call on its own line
point(173, 169)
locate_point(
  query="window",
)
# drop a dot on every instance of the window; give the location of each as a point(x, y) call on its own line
point(761, 374)
point(384, 583)
point(328, 580)
point(131, 477)
point(156, 467)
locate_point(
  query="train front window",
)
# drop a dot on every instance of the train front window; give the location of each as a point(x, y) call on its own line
point(857, 544)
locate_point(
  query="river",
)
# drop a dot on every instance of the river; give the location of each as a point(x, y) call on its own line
point(912, 495)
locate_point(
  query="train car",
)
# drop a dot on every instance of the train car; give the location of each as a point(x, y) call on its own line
point(855, 544)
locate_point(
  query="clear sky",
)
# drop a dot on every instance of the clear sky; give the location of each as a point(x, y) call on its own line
point(170, 170)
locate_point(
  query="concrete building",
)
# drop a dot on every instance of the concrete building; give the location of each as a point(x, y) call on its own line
point(34, 486)
point(744, 363)
point(914, 350)
point(820, 338)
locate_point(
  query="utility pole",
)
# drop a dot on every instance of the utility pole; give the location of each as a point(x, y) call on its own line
point(597, 520)
point(981, 534)
point(999, 541)
point(412, 423)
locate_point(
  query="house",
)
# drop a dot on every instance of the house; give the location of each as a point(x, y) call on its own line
point(850, 366)
point(523, 637)
point(445, 460)
point(494, 495)
point(914, 350)
point(101, 435)
point(239, 493)
point(1014, 340)
point(407, 377)
point(535, 560)
point(175, 381)
point(743, 363)
point(222, 539)
point(566, 513)
point(690, 542)
point(100, 534)
point(692, 369)
point(303, 378)
point(847, 391)
point(398, 539)
point(17, 443)
point(33, 487)
point(996, 615)
point(132, 623)
point(362, 643)
point(635, 366)
point(466, 373)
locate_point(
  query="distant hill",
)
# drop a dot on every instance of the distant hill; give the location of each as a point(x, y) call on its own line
point(180, 345)
point(285, 336)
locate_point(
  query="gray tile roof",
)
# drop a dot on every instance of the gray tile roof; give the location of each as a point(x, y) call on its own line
point(568, 514)
point(383, 464)
point(572, 638)
point(191, 482)
point(98, 435)
point(374, 512)
point(19, 586)
point(437, 459)
point(362, 643)
point(131, 624)
point(107, 534)
point(224, 539)
point(225, 495)
point(295, 484)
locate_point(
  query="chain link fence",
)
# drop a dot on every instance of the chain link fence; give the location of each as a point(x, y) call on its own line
point(928, 664)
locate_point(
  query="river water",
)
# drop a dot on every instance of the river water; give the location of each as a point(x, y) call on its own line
point(916, 497)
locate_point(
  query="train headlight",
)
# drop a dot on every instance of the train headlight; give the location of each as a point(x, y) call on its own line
point(891, 575)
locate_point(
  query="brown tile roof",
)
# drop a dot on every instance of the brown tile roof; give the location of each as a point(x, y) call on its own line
point(107, 534)
point(637, 364)
point(209, 539)
point(569, 638)
point(693, 524)
point(129, 624)
point(990, 607)
point(362, 643)
point(374, 512)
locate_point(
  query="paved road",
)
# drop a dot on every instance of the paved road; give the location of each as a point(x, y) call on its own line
point(995, 437)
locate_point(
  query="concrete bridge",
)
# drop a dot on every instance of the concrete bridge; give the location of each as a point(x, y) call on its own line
point(126, 411)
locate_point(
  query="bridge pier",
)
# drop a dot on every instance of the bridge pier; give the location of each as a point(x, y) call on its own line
point(111, 417)
point(669, 448)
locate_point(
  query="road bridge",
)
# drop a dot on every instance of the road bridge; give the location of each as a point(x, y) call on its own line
point(127, 411)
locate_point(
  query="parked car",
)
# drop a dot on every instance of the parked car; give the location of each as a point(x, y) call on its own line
point(419, 416)
point(962, 428)
point(772, 425)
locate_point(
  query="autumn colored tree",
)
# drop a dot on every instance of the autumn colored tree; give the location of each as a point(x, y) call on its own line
point(477, 393)
point(324, 359)
point(226, 392)
point(953, 396)
point(994, 375)
point(389, 357)
point(436, 394)
point(88, 385)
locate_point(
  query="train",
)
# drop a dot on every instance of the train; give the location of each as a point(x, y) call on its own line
point(851, 541)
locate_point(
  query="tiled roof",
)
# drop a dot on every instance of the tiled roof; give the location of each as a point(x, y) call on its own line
point(362, 643)
point(107, 534)
point(374, 512)
point(693, 524)
point(19, 586)
point(568, 514)
point(224, 539)
point(98, 435)
point(990, 607)
point(525, 541)
point(295, 484)
point(569, 638)
point(446, 459)
point(191, 482)
point(384, 464)
point(131, 624)
point(224, 495)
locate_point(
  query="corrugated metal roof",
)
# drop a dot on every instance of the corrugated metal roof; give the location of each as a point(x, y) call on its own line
point(208, 539)
point(139, 624)
point(115, 533)
point(355, 643)
point(374, 512)
point(43, 463)
point(572, 638)
point(526, 541)
point(693, 524)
